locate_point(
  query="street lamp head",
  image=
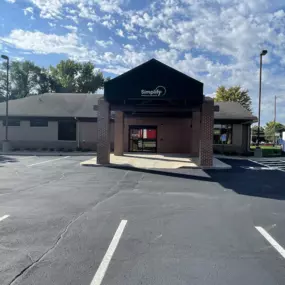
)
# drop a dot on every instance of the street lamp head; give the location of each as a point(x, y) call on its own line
point(5, 57)
point(264, 52)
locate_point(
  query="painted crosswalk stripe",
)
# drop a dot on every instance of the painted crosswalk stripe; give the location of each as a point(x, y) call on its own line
point(272, 164)
point(4, 217)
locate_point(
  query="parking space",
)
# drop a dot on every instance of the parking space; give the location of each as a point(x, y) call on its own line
point(70, 224)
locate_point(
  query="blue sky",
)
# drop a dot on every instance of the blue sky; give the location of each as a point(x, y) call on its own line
point(215, 41)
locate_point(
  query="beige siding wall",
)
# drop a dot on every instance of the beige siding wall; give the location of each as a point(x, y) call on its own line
point(87, 131)
point(26, 133)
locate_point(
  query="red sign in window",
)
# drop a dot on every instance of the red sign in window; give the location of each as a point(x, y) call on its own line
point(151, 134)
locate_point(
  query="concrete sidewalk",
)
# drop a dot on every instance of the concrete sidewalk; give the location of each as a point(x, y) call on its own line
point(157, 161)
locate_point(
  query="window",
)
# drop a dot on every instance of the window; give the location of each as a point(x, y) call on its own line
point(66, 131)
point(39, 123)
point(12, 123)
point(226, 130)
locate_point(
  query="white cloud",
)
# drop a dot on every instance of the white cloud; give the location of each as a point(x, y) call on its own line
point(71, 28)
point(39, 42)
point(10, 1)
point(109, 24)
point(129, 47)
point(111, 6)
point(49, 9)
point(73, 18)
point(120, 33)
point(90, 26)
point(54, 8)
point(132, 37)
point(51, 24)
point(104, 44)
point(279, 14)
point(28, 10)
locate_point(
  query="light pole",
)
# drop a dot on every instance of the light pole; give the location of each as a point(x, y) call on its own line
point(7, 96)
point(274, 139)
point(263, 53)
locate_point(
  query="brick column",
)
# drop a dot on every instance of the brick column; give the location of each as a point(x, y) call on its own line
point(195, 136)
point(103, 128)
point(207, 126)
point(119, 134)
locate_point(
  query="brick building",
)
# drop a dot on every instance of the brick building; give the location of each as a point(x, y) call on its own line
point(151, 108)
point(159, 109)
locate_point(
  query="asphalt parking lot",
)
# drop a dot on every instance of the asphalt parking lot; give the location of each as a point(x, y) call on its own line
point(61, 223)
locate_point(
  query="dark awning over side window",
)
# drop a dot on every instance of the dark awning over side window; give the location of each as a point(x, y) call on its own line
point(153, 82)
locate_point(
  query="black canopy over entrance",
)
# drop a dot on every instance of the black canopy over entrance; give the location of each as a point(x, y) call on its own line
point(154, 84)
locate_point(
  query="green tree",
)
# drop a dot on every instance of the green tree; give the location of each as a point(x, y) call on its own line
point(270, 131)
point(89, 80)
point(254, 134)
point(234, 94)
point(68, 76)
point(3, 82)
point(24, 78)
point(46, 83)
point(3, 79)
point(64, 75)
point(73, 77)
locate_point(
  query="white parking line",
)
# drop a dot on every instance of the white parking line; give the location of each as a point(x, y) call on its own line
point(271, 164)
point(272, 241)
point(101, 271)
point(46, 161)
point(4, 217)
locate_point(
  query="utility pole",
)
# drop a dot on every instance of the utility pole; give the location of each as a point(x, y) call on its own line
point(274, 138)
point(263, 53)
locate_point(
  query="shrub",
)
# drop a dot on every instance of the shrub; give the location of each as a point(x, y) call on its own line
point(268, 152)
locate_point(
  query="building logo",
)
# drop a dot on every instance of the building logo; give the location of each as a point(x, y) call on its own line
point(159, 91)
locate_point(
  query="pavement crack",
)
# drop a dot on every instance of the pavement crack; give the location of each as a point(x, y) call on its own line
point(115, 191)
point(39, 259)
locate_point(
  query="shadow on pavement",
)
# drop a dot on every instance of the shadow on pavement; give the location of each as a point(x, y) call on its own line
point(245, 178)
point(5, 159)
point(249, 178)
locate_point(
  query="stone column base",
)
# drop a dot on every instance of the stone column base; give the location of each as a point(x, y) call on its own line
point(258, 152)
point(6, 146)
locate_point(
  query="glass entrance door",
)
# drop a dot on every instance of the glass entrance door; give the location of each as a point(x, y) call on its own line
point(142, 139)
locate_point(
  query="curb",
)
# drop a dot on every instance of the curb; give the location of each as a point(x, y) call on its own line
point(168, 169)
point(232, 157)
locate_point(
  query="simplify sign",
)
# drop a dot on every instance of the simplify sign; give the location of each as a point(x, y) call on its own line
point(159, 91)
